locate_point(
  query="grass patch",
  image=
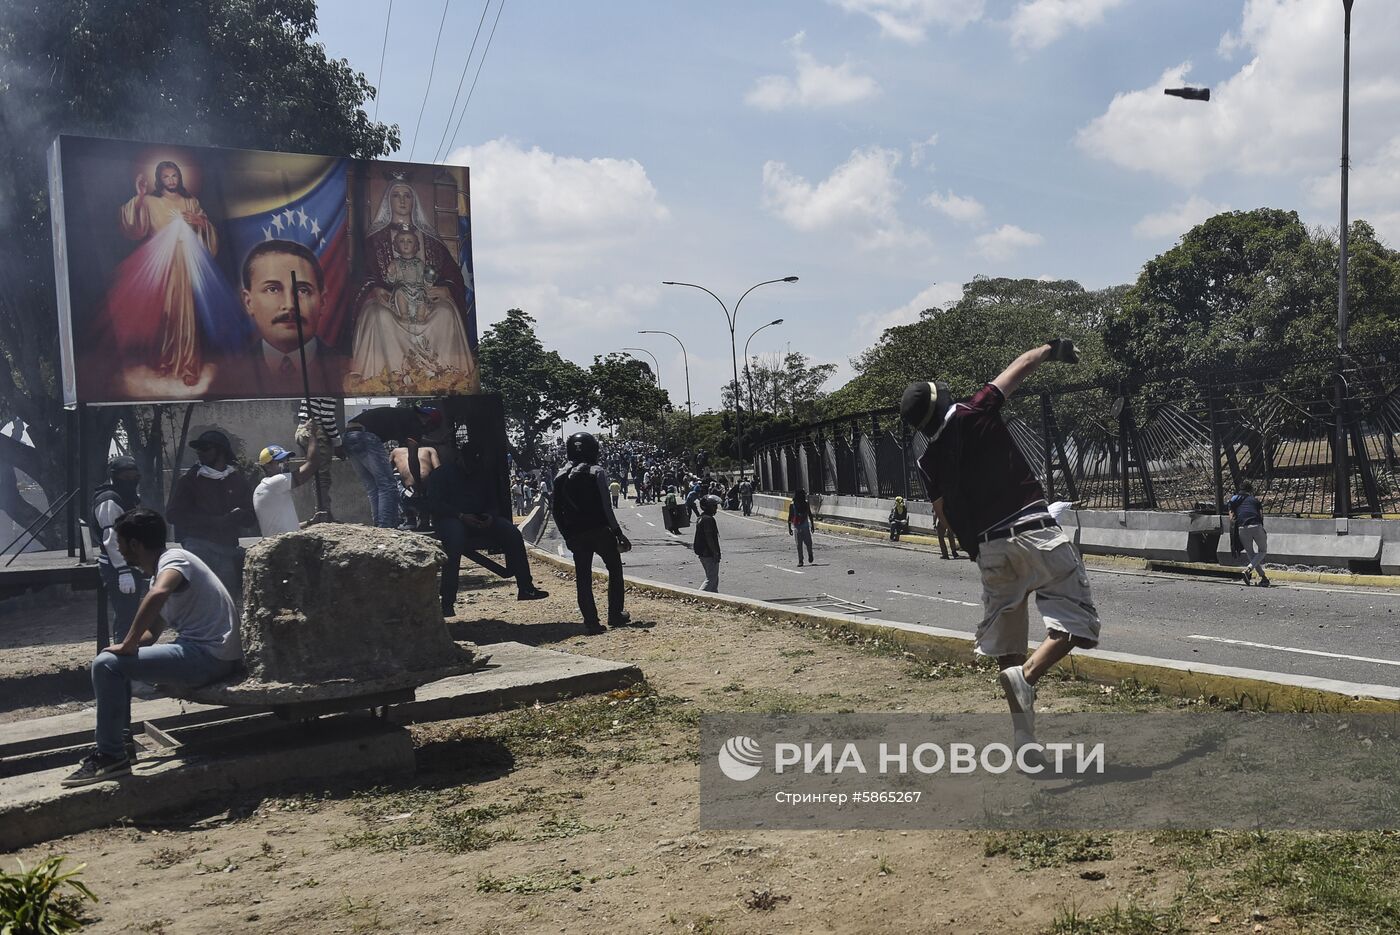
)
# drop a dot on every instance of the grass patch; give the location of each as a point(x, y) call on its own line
point(1130, 919)
point(1038, 849)
point(545, 882)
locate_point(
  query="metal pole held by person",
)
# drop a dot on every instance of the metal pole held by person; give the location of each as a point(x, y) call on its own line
point(305, 381)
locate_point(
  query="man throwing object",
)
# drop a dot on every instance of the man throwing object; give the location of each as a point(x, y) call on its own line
point(983, 489)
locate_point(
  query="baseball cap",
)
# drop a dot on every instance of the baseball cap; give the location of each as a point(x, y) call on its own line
point(273, 453)
point(121, 463)
point(923, 405)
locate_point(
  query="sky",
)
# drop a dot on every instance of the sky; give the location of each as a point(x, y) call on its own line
point(883, 151)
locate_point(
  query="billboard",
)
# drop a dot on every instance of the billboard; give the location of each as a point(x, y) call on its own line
point(175, 265)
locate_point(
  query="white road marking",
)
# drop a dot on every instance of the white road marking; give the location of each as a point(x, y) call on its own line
point(639, 515)
point(652, 525)
point(1294, 649)
point(930, 597)
point(791, 571)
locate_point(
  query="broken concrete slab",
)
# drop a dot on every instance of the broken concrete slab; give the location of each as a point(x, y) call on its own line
point(34, 807)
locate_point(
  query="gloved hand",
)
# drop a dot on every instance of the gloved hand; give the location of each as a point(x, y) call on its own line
point(1063, 350)
point(126, 582)
point(789, 530)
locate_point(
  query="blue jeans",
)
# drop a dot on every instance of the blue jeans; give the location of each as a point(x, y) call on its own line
point(365, 450)
point(225, 561)
point(178, 664)
point(124, 606)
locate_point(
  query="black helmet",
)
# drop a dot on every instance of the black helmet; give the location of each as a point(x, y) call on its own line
point(582, 448)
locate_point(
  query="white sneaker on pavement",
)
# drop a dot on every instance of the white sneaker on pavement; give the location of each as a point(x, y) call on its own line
point(1021, 694)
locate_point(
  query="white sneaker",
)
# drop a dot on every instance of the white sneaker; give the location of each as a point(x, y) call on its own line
point(1021, 694)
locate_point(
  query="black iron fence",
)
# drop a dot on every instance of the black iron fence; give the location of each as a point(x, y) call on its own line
point(1183, 443)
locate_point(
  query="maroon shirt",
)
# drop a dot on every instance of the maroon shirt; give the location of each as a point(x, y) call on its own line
point(977, 470)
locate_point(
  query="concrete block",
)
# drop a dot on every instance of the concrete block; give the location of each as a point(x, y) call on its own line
point(34, 807)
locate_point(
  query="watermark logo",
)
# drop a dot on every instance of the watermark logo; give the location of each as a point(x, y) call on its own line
point(740, 759)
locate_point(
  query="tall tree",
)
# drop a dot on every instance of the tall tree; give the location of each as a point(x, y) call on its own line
point(625, 388)
point(540, 389)
point(218, 72)
point(971, 341)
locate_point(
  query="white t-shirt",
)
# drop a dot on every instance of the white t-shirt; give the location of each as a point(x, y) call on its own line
point(272, 501)
point(200, 611)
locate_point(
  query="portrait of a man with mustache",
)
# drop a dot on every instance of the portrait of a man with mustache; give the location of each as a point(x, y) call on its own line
point(273, 363)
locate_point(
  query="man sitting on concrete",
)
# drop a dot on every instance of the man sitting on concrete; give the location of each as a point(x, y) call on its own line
point(458, 496)
point(185, 596)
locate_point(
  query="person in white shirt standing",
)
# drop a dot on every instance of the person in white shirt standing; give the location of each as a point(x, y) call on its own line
point(272, 500)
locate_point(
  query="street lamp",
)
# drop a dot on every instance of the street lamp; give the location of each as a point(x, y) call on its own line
point(1341, 505)
point(690, 411)
point(732, 320)
point(748, 371)
point(655, 378)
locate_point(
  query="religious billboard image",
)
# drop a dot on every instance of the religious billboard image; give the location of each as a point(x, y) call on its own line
point(190, 273)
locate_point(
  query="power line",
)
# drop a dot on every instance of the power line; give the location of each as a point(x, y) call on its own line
point(489, 37)
point(462, 80)
point(431, 68)
point(379, 82)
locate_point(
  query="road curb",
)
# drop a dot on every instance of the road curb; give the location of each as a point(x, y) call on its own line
point(1247, 688)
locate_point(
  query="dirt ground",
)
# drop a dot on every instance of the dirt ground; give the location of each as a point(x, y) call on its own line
point(582, 816)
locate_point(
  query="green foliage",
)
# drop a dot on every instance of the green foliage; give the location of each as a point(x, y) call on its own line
point(971, 341)
point(220, 72)
point(539, 388)
point(44, 900)
point(625, 388)
point(790, 386)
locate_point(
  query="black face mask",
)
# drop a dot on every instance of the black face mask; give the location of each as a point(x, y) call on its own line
point(128, 490)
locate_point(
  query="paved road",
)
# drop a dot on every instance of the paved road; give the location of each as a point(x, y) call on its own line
point(1352, 634)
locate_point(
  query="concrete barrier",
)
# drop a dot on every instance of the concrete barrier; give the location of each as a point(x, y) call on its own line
point(1358, 545)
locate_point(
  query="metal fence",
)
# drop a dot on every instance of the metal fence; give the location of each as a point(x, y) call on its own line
point(1175, 444)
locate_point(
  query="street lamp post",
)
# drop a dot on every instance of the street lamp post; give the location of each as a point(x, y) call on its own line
point(656, 379)
point(748, 371)
point(690, 411)
point(732, 320)
point(1342, 501)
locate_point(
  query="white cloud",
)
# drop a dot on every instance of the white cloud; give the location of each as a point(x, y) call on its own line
point(561, 237)
point(1177, 219)
point(1278, 114)
point(1374, 192)
point(962, 208)
point(871, 324)
point(816, 85)
point(1005, 241)
point(909, 20)
point(860, 195)
point(1037, 23)
point(916, 150)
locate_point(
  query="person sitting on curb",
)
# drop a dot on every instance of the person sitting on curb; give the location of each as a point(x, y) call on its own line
point(981, 486)
point(272, 498)
point(185, 596)
point(899, 519)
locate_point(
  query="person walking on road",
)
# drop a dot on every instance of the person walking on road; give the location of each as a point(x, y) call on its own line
point(614, 491)
point(982, 487)
point(945, 537)
point(799, 523)
point(707, 541)
point(1248, 517)
point(746, 497)
point(583, 513)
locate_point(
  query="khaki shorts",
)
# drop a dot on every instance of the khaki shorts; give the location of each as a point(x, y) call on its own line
point(1043, 562)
